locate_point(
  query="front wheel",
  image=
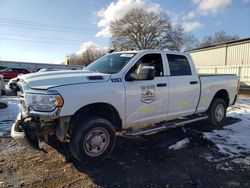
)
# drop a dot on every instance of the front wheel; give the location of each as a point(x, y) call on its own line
point(217, 112)
point(92, 139)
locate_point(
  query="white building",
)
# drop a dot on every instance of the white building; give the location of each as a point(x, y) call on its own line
point(229, 58)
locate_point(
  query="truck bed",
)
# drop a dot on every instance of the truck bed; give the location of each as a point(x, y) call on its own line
point(211, 83)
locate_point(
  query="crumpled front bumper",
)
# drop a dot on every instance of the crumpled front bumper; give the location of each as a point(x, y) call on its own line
point(20, 135)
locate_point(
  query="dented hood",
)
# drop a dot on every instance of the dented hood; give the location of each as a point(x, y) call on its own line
point(46, 80)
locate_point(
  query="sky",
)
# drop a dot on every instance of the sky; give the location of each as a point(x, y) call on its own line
point(46, 31)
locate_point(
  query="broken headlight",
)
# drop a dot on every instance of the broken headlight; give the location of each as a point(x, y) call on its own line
point(43, 102)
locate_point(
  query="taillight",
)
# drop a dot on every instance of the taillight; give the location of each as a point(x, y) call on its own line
point(238, 86)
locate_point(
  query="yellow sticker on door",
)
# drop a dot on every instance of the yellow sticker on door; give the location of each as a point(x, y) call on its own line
point(205, 100)
point(144, 109)
point(184, 104)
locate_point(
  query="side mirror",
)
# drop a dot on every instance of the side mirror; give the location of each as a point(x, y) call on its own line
point(144, 73)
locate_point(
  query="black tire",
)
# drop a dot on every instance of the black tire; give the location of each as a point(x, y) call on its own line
point(13, 88)
point(214, 118)
point(32, 138)
point(3, 92)
point(83, 135)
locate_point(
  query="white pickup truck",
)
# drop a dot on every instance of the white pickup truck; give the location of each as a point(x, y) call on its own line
point(134, 92)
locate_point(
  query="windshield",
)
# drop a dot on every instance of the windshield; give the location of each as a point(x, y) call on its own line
point(110, 63)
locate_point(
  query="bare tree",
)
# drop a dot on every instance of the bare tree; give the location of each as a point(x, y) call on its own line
point(219, 37)
point(139, 29)
point(89, 55)
point(181, 41)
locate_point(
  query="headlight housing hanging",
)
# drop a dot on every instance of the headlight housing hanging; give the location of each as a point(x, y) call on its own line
point(43, 102)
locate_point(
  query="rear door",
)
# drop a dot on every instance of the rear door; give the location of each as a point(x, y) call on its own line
point(147, 100)
point(184, 88)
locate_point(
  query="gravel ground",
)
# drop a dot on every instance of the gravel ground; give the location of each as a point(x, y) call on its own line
point(143, 161)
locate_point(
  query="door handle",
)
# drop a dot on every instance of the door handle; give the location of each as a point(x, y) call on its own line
point(161, 85)
point(193, 82)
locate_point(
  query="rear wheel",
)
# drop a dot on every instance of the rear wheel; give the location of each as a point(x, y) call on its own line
point(217, 112)
point(92, 139)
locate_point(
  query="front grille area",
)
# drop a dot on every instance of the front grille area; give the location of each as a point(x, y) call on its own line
point(21, 96)
point(23, 104)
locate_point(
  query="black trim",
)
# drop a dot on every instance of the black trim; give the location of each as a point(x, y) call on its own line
point(235, 99)
point(161, 85)
point(95, 77)
point(193, 82)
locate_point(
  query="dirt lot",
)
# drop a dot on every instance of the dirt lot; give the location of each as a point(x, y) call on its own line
point(136, 162)
point(144, 161)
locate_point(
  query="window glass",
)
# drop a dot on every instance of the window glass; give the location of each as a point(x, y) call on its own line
point(178, 65)
point(149, 60)
point(110, 63)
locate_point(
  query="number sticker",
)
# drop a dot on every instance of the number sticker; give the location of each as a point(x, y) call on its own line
point(116, 80)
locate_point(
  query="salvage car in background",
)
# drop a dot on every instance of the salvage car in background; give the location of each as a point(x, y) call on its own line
point(13, 72)
point(2, 87)
point(2, 67)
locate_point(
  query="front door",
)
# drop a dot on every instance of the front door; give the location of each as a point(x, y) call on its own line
point(146, 100)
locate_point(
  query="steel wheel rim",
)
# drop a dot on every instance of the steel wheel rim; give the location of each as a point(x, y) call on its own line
point(96, 141)
point(219, 112)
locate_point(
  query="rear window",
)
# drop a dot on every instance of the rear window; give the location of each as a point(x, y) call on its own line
point(178, 65)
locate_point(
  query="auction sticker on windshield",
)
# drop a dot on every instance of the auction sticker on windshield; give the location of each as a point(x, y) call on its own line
point(127, 55)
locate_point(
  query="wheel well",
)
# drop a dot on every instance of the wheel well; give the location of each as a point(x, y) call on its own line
point(104, 110)
point(222, 94)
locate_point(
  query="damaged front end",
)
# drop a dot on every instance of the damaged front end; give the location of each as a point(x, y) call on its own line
point(38, 118)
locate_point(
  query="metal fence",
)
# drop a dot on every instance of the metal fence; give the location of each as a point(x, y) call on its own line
point(243, 71)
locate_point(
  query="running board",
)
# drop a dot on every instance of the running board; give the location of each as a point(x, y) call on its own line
point(166, 125)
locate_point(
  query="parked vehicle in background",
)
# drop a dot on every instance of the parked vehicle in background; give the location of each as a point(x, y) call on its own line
point(13, 72)
point(136, 92)
point(2, 86)
point(2, 67)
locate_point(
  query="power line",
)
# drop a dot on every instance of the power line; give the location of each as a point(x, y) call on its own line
point(48, 29)
point(36, 41)
point(42, 24)
point(39, 37)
